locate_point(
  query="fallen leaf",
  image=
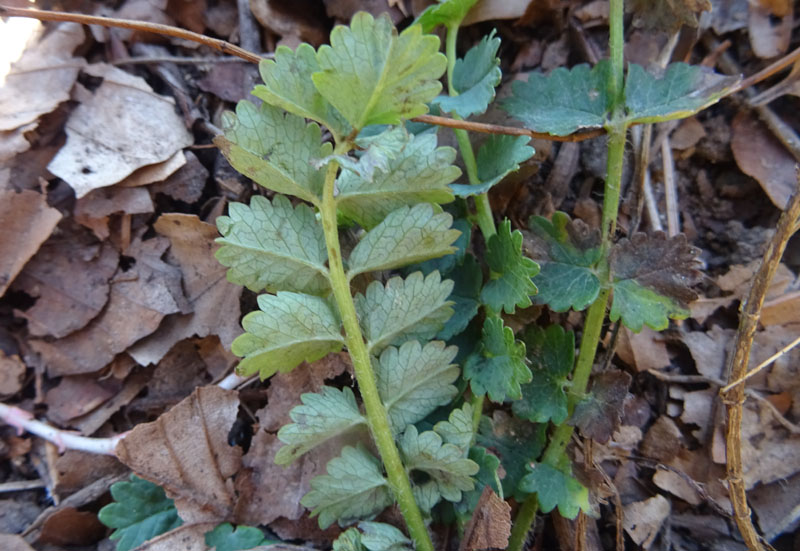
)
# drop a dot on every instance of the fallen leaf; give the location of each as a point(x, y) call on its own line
point(776, 505)
point(12, 370)
point(68, 526)
point(643, 519)
point(305, 528)
point(662, 441)
point(689, 132)
point(643, 350)
point(490, 525)
point(187, 537)
point(75, 396)
point(158, 172)
point(27, 223)
point(189, 13)
point(11, 542)
point(187, 183)
point(728, 16)
point(769, 29)
point(598, 414)
point(75, 470)
point(487, 10)
point(186, 452)
point(301, 18)
point(12, 143)
point(667, 14)
point(781, 310)
point(226, 81)
point(178, 370)
point(124, 126)
point(134, 384)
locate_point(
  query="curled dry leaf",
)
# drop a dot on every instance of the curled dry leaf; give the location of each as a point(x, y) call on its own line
point(186, 452)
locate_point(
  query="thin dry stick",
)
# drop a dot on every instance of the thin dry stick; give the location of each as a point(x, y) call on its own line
point(763, 364)
point(509, 130)
point(670, 189)
point(767, 72)
point(734, 398)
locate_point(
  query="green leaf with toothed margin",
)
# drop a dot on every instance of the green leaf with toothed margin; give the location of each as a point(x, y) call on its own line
point(498, 157)
point(498, 367)
point(446, 12)
point(555, 488)
point(510, 282)
point(474, 78)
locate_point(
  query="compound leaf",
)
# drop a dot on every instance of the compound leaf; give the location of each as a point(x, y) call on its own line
point(353, 489)
point(510, 284)
point(378, 536)
point(680, 91)
point(499, 156)
point(552, 354)
point(140, 511)
point(567, 251)
point(651, 278)
point(225, 538)
point(599, 413)
point(564, 101)
point(446, 12)
point(414, 380)
point(273, 246)
point(373, 76)
point(474, 79)
point(419, 173)
point(322, 416)
point(404, 309)
point(498, 367)
point(556, 488)
point(288, 84)
point(290, 328)
point(405, 236)
point(275, 149)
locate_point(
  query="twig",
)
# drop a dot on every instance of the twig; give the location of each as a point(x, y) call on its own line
point(763, 364)
point(734, 398)
point(182, 60)
point(670, 189)
point(508, 130)
point(770, 70)
point(22, 485)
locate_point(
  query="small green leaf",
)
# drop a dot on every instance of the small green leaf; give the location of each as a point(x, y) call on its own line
point(349, 540)
point(225, 538)
point(353, 489)
point(510, 284)
point(290, 328)
point(322, 416)
point(405, 309)
point(552, 355)
point(405, 236)
point(457, 429)
point(564, 101)
point(288, 85)
point(487, 476)
point(378, 536)
point(680, 92)
point(418, 174)
point(467, 279)
point(447, 12)
point(274, 247)
point(556, 488)
point(474, 78)
point(376, 150)
point(567, 251)
point(599, 413)
point(373, 76)
point(499, 156)
point(414, 380)
point(275, 149)
point(498, 367)
point(651, 278)
point(140, 511)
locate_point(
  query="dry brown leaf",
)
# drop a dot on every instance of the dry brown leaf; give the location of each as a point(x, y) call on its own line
point(91, 422)
point(188, 537)
point(301, 18)
point(487, 10)
point(124, 127)
point(27, 223)
point(68, 526)
point(688, 133)
point(226, 81)
point(189, 13)
point(213, 299)
point(777, 506)
point(770, 26)
point(781, 310)
point(643, 350)
point(662, 441)
point(643, 519)
point(70, 276)
point(728, 16)
point(93, 209)
point(490, 525)
point(187, 183)
point(75, 470)
point(158, 172)
point(12, 370)
point(305, 528)
point(11, 542)
point(769, 453)
point(13, 143)
point(186, 452)
point(179, 370)
point(75, 396)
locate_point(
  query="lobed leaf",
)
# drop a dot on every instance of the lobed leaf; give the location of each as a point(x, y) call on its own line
point(354, 489)
point(414, 380)
point(564, 101)
point(567, 252)
point(373, 76)
point(403, 309)
point(379, 536)
point(321, 417)
point(510, 284)
point(467, 279)
point(679, 92)
point(290, 328)
point(498, 367)
point(275, 149)
point(457, 429)
point(376, 150)
point(225, 538)
point(274, 247)
point(288, 85)
point(552, 355)
point(555, 488)
point(599, 413)
point(349, 540)
point(499, 156)
point(651, 278)
point(447, 12)
point(474, 79)
point(405, 236)
point(419, 173)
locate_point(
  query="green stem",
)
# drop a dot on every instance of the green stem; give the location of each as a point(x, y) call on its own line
point(523, 523)
point(377, 417)
point(616, 47)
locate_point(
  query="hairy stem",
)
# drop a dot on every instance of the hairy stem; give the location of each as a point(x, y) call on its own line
point(523, 523)
point(377, 417)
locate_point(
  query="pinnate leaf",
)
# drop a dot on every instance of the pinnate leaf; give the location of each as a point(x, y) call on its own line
point(598, 414)
point(419, 173)
point(289, 328)
point(288, 84)
point(651, 278)
point(567, 252)
point(474, 78)
point(140, 511)
point(552, 354)
point(225, 538)
point(498, 367)
point(681, 91)
point(404, 309)
point(562, 102)
point(446, 12)
point(405, 236)
point(414, 380)
point(353, 489)
point(274, 247)
point(510, 284)
point(322, 416)
point(275, 149)
point(555, 488)
point(372, 75)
